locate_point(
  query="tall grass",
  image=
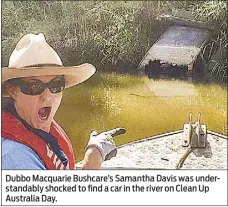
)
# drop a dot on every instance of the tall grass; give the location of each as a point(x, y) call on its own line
point(107, 34)
point(215, 12)
point(112, 35)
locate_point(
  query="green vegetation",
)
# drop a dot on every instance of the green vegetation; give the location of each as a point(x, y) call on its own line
point(215, 12)
point(112, 35)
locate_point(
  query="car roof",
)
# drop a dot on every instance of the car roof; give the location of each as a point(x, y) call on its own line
point(179, 45)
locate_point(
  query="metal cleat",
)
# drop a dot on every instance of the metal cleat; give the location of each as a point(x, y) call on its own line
point(194, 135)
point(187, 133)
point(199, 134)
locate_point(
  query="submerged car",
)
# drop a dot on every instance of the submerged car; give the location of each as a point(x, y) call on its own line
point(181, 51)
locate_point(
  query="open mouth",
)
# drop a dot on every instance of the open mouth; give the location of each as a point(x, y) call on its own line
point(44, 113)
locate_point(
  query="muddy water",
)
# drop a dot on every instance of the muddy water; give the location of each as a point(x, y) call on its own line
point(144, 107)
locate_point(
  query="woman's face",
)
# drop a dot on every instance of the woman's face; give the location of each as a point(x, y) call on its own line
point(37, 110)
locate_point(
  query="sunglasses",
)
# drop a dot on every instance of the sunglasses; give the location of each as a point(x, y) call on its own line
point(37, 87)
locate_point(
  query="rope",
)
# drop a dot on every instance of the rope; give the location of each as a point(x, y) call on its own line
point(183, 158)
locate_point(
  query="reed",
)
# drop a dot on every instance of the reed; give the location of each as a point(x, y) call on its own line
point(215, 12)
point(107, 34)
point(112, 35)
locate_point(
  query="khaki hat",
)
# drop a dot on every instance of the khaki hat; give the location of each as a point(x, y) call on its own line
point(34, 57)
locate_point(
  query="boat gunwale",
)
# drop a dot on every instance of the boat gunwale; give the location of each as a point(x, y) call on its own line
point(77, 165)
point(168, 134)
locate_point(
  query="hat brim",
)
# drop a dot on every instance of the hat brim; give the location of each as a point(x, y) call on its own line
point(72, 74)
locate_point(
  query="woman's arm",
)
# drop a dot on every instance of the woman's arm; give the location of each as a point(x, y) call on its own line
point(92, 159)
point(17, 156)
point(100, 147)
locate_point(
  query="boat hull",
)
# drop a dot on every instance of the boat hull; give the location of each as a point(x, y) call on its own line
point(164, 152)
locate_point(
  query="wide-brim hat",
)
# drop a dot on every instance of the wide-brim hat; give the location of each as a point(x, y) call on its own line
point(33, 56)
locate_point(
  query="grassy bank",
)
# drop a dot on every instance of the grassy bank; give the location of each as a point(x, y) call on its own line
point(112, 35)
point(103, 33)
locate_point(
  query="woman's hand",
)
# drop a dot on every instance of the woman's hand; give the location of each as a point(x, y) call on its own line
point(100, 147)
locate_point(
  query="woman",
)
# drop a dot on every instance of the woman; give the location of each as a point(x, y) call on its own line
point(31, 139)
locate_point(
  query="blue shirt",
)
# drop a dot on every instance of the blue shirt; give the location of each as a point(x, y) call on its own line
point(17, 156)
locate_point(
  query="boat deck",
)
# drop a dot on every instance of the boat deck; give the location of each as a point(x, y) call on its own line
point(164, 152)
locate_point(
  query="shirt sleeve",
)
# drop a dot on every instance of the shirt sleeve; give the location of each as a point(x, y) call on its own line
point(21, 157)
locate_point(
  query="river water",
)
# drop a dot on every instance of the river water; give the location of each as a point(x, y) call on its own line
point(144, 107)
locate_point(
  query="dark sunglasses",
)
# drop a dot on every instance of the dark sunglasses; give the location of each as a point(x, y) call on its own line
point(37, 87)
